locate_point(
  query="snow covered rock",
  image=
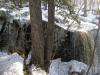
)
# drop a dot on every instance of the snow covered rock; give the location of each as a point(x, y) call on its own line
point(11, 65)
point(63, 68)
point(37, 71)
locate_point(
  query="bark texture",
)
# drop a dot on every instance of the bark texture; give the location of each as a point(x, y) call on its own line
point(37, 32)
point(50, 31)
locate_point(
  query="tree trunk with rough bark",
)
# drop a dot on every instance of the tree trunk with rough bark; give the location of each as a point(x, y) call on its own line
point(50, 31)
point(37, 33)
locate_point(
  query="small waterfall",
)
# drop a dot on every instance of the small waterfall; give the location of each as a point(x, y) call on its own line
point(77, 46)
point(93, 34)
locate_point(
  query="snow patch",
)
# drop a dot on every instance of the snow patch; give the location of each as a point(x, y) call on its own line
point(23, 15)
point(11, 65)
point(3, 54)
point(90, 18)
point(37, 71)
point(3, 9)
point(63, 68)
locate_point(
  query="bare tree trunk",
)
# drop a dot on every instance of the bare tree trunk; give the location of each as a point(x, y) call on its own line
point(50, 31)
point(85, 8)
point(37, 33)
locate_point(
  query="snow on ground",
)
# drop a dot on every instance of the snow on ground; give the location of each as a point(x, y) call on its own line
point(3, 9)
point(64, 68)
point(23, 16)
point(11, 64)
point(90, 18)
point(37, 71)
point(3, 54)
point(61, 68)
point(86, 23)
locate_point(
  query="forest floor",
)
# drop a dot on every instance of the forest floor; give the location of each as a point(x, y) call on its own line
point(13, 65)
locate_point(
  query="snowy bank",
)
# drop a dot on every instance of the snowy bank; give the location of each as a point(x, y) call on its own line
point(64, 68)
point(37, 71)
point(3, 54)
point(11, 64)
point(90, 18)
point(23, 15)
point(58, 67)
